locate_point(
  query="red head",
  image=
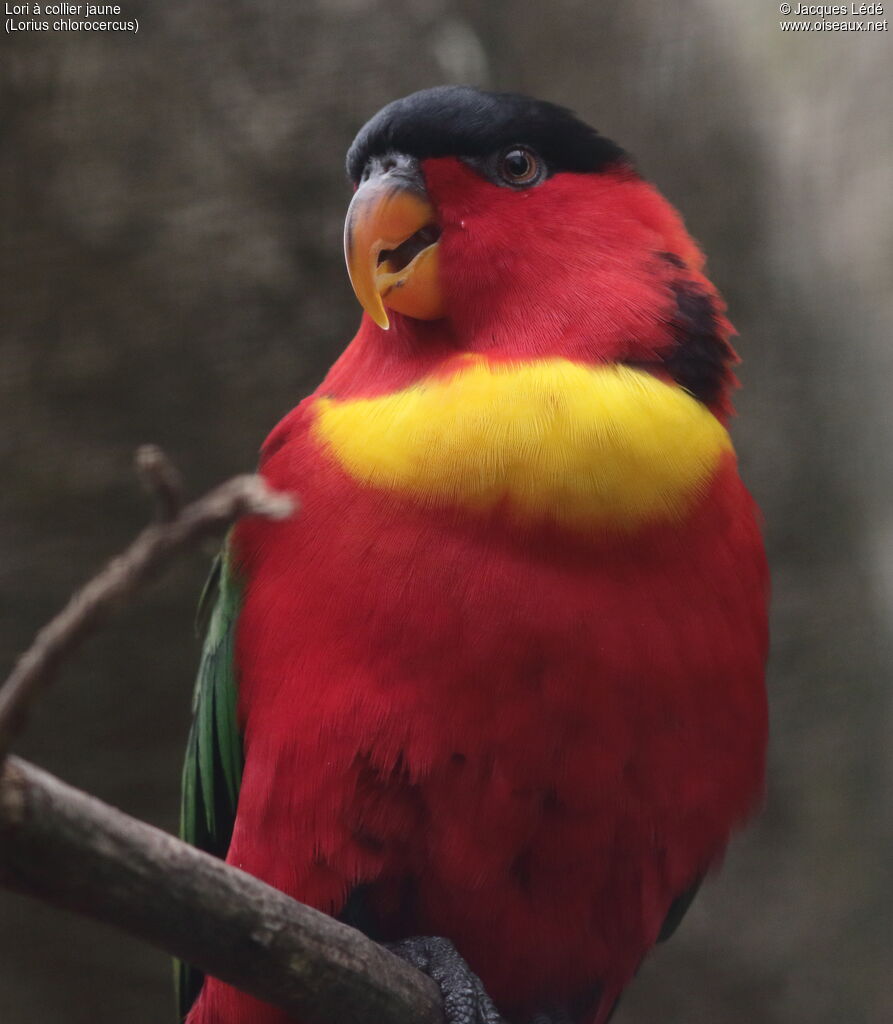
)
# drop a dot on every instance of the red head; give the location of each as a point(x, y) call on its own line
point(498, 224)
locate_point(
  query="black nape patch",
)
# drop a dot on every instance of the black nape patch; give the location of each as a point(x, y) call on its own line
point(458, 120)
point(701, 357)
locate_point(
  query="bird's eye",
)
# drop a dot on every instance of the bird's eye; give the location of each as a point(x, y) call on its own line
point(520, 167)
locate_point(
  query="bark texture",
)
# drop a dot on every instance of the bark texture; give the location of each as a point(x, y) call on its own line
point(75, 852)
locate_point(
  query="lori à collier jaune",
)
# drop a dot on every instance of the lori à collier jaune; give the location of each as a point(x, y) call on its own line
point(496, 695)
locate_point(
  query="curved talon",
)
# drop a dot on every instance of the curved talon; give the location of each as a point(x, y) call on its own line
point(465, 1001)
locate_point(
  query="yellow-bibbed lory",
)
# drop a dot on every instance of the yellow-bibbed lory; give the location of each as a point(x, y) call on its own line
point(496, 694)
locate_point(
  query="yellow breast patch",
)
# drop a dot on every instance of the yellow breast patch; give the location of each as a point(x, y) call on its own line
point(581, 445)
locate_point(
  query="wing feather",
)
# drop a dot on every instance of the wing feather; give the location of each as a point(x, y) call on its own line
point(212, 772)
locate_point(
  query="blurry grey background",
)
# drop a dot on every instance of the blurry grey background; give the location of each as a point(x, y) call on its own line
point(171, 271)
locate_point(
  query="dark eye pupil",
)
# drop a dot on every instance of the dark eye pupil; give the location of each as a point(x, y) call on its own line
point(517, 164)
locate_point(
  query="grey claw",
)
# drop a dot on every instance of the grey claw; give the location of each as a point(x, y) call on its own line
point(464, 999)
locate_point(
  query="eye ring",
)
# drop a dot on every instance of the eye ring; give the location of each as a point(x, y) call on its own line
point(520, 167)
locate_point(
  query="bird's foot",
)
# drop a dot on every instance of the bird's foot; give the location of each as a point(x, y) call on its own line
point(464, 998)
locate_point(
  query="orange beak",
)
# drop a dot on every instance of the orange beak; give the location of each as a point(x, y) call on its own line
point(391, 243)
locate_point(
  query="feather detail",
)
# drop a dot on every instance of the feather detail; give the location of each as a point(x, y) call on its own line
point(212, 772)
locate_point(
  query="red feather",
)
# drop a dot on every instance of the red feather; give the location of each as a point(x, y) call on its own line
point(550, 734)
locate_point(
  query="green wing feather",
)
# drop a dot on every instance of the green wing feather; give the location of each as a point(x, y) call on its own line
point(212, 772)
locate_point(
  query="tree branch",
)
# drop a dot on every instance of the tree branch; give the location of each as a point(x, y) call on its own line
point(162, 479)
point(73, 851)
point(154, 548)
point(69, 849)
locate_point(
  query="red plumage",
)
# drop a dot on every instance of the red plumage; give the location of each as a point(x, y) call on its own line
point(527, 738)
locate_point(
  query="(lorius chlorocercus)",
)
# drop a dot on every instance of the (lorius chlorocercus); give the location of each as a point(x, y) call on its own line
point(496, 694)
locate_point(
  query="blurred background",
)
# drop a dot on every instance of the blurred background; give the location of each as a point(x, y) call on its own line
point(171, 206)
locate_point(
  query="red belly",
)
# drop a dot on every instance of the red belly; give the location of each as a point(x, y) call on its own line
point(526, 741)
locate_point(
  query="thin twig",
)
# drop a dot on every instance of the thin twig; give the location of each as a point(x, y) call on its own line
point(120, 579)
point(73, 851)
point(162, 479)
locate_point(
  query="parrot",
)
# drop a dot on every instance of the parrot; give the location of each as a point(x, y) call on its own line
point(496, 694)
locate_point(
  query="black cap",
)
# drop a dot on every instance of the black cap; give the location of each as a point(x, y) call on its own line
point(458, 120)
